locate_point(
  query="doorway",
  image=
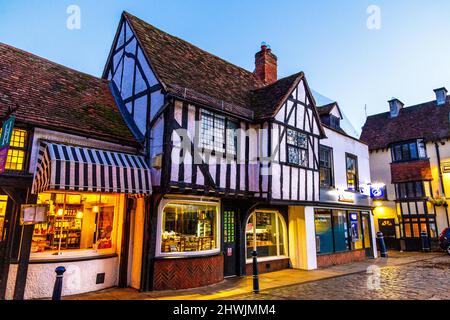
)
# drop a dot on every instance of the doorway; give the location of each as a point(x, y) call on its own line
point(230, 232)
point(387, 227)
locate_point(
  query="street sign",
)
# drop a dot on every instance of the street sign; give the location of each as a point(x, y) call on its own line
point(5, 140)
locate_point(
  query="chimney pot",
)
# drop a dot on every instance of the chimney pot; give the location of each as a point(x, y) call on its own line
point(441, 96)
point(266, 65)
point(395, 106)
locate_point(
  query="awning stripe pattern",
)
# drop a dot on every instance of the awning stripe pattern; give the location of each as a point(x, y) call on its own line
point(71, 168)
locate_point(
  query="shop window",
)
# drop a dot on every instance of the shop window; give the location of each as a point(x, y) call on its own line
point(189, 228)
point(352, 172)
point(324, 232)
point(218, 133)
point(3, 204)
point(340, 231)
point(356, 236)
point(76, 222)
point(297, 148)
point(17, 151)
point(326, 167)
point(366, 230)
point(266, 232)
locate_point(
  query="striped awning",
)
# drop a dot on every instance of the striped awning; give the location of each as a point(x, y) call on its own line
point(71, 168)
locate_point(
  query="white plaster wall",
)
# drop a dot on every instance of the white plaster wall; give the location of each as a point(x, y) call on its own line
point(380, 168)
point(80, 277)
point(302, 241)
point(342, 144)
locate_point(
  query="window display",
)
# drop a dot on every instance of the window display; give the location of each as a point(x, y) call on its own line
point(189, 227)
point(266, 232)
point(76, 221)
point(324, 232)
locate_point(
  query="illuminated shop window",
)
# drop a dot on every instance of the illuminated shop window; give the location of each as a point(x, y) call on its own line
point(266, 231)
point(189, 228)
point(3, 203)
point(17, 150)
point(77, 222)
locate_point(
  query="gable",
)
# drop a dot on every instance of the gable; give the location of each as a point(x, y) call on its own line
point(299, 111)
point(133, 78)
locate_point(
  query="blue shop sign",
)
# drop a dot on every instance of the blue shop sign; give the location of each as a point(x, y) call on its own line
point(377, 192)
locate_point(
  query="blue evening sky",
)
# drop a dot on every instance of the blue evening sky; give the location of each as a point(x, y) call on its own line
point(329, 40)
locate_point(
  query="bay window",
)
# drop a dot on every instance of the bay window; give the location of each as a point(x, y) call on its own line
point(408, 190)
point(266, 232)
point(15, 160)
point(189, 227)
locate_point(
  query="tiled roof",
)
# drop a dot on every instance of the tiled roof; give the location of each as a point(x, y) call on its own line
point(266, 100)
point(55, 97)
point(411, 171)
point(190, 72)
point(180, 65)
point(426, 120)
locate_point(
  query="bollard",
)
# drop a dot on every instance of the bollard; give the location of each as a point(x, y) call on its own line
point(255, 273)
point(425, 240)
point(382, 245)
point(57, 290)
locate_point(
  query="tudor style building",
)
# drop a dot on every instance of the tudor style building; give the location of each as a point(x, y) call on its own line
point(235, 160)
point(409, 155)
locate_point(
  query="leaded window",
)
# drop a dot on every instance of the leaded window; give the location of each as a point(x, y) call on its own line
point(297, 147)
point(409, 151)
point(218, 133)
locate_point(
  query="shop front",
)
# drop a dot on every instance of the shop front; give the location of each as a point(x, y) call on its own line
point(342, 236)
point(87, 197)
point(188, 243)
point(266, 233)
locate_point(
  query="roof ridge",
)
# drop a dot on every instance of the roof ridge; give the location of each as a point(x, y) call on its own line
point(29, 54)
point(195, 46)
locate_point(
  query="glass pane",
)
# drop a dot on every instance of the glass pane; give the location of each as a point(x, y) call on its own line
point(366, 228)
point(281, 236)
point(189, 228)
point(408, 233)
point(76, 221)
point(413, 150)
point(3, 203)
point(422, 149)
point(324, 233)
point(340, 231)
point(294, 156)
point(416, 230)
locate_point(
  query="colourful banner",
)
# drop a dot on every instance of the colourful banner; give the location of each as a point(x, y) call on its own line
point(5, 140)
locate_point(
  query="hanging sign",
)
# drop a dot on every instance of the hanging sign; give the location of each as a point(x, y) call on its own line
point(5, 140)
point(378, 191)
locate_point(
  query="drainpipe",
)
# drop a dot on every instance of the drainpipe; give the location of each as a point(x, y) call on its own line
point(441, 179)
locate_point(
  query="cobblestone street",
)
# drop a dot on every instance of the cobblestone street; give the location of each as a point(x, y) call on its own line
point(424, 280)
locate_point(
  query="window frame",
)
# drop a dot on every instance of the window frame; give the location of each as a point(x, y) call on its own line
point(23, 149)
point(218, 236)
point(298, 148)
point(405, 186)
point(407, 144)
point(335, 122)
point(331, 169)
point(284, 231)
point(354, 157)
point(227, 122)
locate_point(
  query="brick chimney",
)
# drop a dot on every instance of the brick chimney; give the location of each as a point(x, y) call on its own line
point(266, 65)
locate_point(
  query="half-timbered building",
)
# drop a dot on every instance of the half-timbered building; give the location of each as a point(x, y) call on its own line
point(234, 158)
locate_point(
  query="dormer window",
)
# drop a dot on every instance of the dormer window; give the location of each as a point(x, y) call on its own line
point(409, 151)
point(441, 96)
point(335, 122)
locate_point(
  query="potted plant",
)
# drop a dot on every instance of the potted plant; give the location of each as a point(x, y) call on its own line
point(439, 201)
